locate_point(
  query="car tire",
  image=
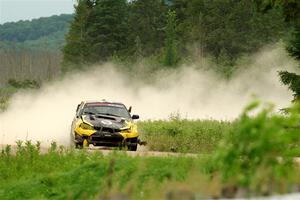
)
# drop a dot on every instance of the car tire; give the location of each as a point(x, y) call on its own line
point(78, 145)
point(132, 147)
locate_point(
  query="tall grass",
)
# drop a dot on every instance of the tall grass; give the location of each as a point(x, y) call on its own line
point(69, 174)
point(251, 157)
point(182, 135)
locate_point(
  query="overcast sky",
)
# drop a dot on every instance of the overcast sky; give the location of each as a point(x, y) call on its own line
point(15, 10)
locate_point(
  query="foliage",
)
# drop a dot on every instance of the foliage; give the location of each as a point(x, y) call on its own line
point(23, 84)
point(5, 94)
point(98, 32)
point(34, 29)
point(290, 7)
point(170, 57)
point(258, 153)
point(229, 28)
point(45, 32)
point(3, 103)
point(138, 54)
point(182, 135)
point(292, 16)
point(293, 82)
point(225, 30)
point(62, 174)
point(107, 33)
point(76, 48)
point(293, 46)
point(146, 20)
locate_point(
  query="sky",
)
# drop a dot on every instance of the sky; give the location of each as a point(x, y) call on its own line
point(15, 10)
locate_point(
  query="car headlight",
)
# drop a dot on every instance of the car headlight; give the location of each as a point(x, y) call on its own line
point(86, 126)
point(126, 130)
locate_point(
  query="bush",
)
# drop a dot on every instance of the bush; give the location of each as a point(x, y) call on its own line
point(258, 153)
point(32, 84)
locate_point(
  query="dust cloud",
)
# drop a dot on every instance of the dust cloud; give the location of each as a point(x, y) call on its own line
point(45, 115)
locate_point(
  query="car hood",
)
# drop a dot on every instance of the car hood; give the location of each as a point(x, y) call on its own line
point(106, 121)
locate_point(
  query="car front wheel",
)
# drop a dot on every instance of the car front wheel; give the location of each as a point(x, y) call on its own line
point(132, 144)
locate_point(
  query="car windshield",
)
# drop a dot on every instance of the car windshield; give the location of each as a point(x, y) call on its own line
point(119, 111)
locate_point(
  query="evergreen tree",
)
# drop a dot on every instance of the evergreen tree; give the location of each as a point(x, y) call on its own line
point(108, 31)
point(230, 28)
point(146, 20)
point(76, 49)
point(292, 80)
point(291, 10)
point(170, 56)
point(138, 54)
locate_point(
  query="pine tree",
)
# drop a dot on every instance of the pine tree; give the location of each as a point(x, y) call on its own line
point(108, 31)
point(292, 16)
point(170, 55)
point(138, 54)
point(292, 80)
point(76, 49)
point(146, 20)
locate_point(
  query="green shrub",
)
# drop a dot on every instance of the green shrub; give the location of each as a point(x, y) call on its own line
point(32, 84)
point(258, 153)
point(68, 174)
point(3, 103)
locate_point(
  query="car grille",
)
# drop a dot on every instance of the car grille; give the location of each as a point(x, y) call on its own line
point(106, 130)
point(106, 137)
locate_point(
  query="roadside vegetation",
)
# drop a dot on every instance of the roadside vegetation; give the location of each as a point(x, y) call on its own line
point(182, 135)
point(163, 33)
point(255, 158)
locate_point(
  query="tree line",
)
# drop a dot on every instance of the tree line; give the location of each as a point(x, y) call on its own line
point(169, 30)
point(291, 13)
point(34, 29)
point(30, 50)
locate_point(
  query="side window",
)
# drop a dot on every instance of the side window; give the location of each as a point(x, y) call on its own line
point(79, 109)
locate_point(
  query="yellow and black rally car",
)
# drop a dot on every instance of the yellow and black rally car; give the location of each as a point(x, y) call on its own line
point(104, 123)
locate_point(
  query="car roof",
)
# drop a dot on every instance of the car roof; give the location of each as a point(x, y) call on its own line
point(101, 101)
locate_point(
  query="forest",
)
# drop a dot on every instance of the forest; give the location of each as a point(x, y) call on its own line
point(32, 49)
point(223, 30)
point(160, 34)
point(166, 33)
point(25, 30)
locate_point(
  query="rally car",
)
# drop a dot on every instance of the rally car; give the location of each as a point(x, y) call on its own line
point(104, 123)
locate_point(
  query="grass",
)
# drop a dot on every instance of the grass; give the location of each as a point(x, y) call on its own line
point(182, 135)
point(69, 174)
point(253, 156)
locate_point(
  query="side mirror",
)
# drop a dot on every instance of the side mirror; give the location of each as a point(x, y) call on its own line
point(129, 109)
point(135, 117)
